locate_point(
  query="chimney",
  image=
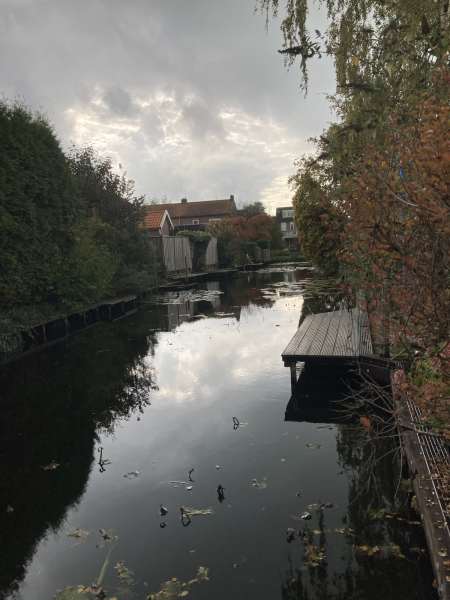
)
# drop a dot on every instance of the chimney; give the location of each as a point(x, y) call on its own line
point(183, 200)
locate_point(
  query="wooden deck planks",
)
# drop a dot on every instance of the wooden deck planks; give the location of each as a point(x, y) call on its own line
point(341, 334)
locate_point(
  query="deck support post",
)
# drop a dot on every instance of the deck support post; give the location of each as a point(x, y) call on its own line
point(293, 367)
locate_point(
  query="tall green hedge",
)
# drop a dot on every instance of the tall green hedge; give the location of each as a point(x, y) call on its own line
point(69, 225)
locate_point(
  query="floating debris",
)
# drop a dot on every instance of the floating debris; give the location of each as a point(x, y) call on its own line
point(163, 510)
point(220, 493)
point(9, 509)
point(314, 555)
point(345, 531)
point(163, 524)
point(190, 474)
point(218, 467)
point(108, 536)
point(391, 550)
point(174, 588)
point(305, 516)
point(291, 534)
point(189, 488)
point(51, 466)
point(125, 575)
point(261, 485)
point(132, 474)
point(313, 446)
point(196, 512)
point(80, 534)
point(282, 460)
point(81, 592)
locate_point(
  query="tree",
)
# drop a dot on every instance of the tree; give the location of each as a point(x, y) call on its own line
point(38, 207)
point(319, 224)
point(250, 210)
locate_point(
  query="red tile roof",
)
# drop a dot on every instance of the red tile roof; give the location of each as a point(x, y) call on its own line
point(206, 208)
point(153, 216)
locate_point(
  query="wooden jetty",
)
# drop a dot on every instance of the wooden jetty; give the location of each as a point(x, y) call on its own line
point(342, 339)
point(338, 338)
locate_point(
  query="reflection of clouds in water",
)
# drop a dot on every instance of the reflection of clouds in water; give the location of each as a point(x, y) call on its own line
point(197, 360)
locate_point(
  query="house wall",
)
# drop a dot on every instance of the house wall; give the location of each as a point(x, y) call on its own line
point(203, 220)
point(166, 230)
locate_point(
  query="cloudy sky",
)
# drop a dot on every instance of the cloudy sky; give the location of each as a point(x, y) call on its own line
point(190, 97)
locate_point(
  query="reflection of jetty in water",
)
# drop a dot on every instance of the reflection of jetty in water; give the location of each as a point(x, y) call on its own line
point(319, 396)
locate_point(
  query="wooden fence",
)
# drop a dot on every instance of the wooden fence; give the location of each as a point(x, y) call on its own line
point(211, 260)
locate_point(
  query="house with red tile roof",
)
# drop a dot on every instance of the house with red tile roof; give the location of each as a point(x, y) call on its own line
point(197, 215)
point(157, 221)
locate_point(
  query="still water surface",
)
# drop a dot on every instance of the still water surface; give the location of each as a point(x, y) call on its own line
point(157, 394)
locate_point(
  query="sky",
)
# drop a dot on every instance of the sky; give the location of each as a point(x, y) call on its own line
point(189, 98)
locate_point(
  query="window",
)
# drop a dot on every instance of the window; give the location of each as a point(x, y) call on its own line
point(288, 213)
point(283, 226)
point(291, 226)
point(195, 222)
point(214, 219)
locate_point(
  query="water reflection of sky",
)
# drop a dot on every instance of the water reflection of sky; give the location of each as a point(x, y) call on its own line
point(207, 371)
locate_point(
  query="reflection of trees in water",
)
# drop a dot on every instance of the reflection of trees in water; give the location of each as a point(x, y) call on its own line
point(322, 295)
point(53, 404)
point(373, 471)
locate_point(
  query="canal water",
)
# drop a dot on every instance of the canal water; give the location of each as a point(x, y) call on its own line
point(162, 408)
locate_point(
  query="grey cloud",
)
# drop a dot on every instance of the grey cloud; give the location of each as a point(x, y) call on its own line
point(119, 101)
point(59, 54)
point(201, 120)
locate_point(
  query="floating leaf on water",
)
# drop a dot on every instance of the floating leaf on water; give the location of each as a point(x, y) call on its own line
point(312, 446)
point(163, 510)
point(261, 485)
point(132, 474)
point(196, 512)
point(290, 535)
point(282, 459)
point(51, 466)
point(345, 531)
point(79, 534)
point(174, 588)
point(314, 555)
point(305, 516)
point(108, 536)
point(391, 550)
point(79, 592)
point(125, 575)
